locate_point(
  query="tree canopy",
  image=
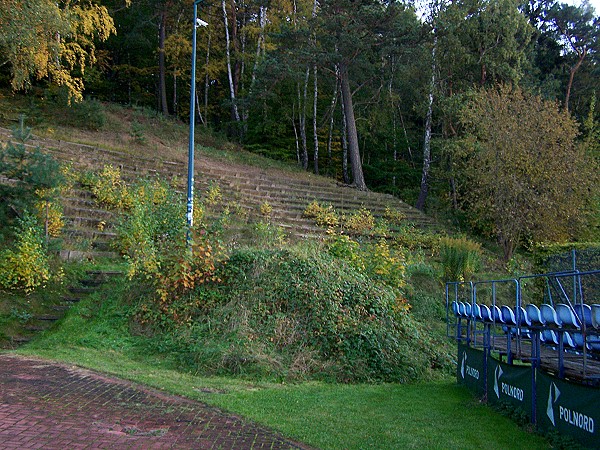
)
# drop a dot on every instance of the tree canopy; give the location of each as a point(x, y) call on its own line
point(527, 177)
point(55, 40)
point(372, 93)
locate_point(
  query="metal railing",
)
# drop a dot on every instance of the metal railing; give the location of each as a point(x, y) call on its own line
point(481, 312)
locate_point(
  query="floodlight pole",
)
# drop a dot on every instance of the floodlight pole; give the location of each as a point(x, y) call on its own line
point(190, 178)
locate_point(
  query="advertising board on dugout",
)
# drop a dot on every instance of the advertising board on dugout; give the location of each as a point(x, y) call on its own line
point(553, 404)
point(471, 368)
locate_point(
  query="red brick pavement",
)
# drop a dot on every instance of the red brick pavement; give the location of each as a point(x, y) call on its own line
point(53, 406)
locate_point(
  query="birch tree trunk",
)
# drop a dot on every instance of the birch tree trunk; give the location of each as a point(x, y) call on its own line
point(162, 68)
point(315, 131)
point(206, 77)
point(234, 110)
point(262, 19)
point(406, 136)
point(315, 98)
point(175, 104)
point(344, 145)
point(199, 110)
point(332, 120)
point(580, 57)
point(358, 179)
point(296, 133)
point(427, 140)
point(302, 120)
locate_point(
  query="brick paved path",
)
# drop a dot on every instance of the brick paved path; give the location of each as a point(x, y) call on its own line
point(54, 406)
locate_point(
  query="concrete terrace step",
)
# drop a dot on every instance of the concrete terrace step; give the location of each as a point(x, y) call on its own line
point(288, 193)
point(90, 282)
point(87, 222)
point(73, 209)
point(297, 206)
point(79, 255)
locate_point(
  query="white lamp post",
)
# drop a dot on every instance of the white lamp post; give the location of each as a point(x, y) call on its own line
point(190, 179)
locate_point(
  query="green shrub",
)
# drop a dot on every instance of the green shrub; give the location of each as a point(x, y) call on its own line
point(20, 315)
point(36, 177)
point(166, 261)
point(153, 223)
point(266, 209)
point(213, 195)
point(325, 216)
point(344, 247)
point(460, 258)
point(137, 132)
point(25, 267)
point(286, 315)
point(386, 264)
point(88, 114)
point(268, 235)
point(109, 189)
point(50, 212)
point(394, 216)
point(416, 238)
point(361, 221)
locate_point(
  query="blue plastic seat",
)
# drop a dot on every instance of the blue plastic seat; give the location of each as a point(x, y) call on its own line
point(496, 314)
point(567, 316)
point(584, 312)
point(468, 313)
point(522, 317)
point(476, 311)
point(486, 314)
point(593, 342)
point(568, 340)
point(577, 338)
point(534, 314)
point(508, 315)
point(454, 306)
point(550, 316)
point(549, 337)
point(596, 316)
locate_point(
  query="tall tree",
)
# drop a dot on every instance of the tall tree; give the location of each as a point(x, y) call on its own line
point(350, 35)
point(434, 10)
point(162, 67)
point(483, 42)
point(579, 32)
point(230, 74)
point(52, 40)
point(526, 177)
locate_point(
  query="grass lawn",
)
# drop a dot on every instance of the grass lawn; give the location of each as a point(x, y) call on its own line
point(437, 414)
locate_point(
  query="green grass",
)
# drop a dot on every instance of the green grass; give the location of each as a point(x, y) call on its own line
point(437, 414)
point(330, 416)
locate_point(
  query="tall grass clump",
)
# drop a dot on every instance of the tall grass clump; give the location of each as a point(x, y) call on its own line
point(460, 258)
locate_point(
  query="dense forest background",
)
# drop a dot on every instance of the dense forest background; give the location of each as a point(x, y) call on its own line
point(483, 107)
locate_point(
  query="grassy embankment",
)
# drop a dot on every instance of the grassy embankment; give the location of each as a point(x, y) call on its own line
point(434, 414)
point(98, 333)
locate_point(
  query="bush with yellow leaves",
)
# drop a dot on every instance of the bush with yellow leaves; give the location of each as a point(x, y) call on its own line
point(26, 266)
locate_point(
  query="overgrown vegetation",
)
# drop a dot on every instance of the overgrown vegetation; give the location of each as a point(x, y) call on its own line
point(25, 266)
point(29, 212)
point(283, 314)
point(460, 257)
point(364, 305)
point(335, 311)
